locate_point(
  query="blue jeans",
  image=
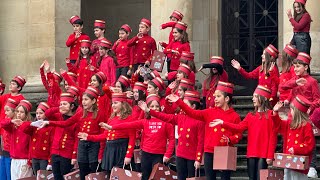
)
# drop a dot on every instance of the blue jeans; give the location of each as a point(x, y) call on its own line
point(5, 164)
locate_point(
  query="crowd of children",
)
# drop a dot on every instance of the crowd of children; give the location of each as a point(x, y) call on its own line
point(111, 104)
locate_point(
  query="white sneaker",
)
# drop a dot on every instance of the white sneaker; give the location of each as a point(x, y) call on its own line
point(312, 173)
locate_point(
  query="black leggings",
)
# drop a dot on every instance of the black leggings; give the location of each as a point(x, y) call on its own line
point(87, 168)
point(148, 160)
point(208, 168)
point(254, 166)
point(60, 166)
point(185, 168)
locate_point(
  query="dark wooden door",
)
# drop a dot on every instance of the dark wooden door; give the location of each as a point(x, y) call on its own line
point(248, 26)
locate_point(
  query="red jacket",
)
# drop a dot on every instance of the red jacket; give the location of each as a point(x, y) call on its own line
point(284, 77)
point(310, 90)
point(209, 93)
point(108, 67)
point(19, 145)
point(124, 53)
point(85, 72)
point(166, 25)
point(191, 134)
point(6, 137)
point(303, 25)
point(52, 88)
point(261, 134)
point(65, 139)
point(271, 82)
point(143, 48)
point(155, 135)
point(175, 59)
point(75, 44)
point(41, 140)
point(301, 139)
point(3, 101)
point(94, 49)
point(116, 134)
point(213, 135)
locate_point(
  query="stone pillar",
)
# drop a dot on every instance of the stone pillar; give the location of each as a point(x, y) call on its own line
point(32, 31)
point(311, 7)
point(160, 13)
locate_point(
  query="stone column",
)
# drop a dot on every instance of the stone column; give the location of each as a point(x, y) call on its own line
point(30, 32)
point(160, 13)
point(311, 7)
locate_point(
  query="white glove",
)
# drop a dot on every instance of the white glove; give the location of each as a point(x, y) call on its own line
point(49, 167)
point(37, 124)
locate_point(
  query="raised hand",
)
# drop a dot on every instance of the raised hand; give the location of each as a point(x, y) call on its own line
point(172, 98)
point(215, 122)
point(67, 60)
point(235, 64)
point(62, 71)
point(173, 85)
point(277, 106)
point(289, 13)
point(44, 124)
point(143, 106)
point(46, 66)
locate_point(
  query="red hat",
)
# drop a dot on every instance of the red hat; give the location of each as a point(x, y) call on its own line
point(127, 28)
point(67, 97)
point(85, 43)
point(301, 103)
point(105, 43)
point(74, 19)
point(293, 52)
point(57, 76)
point(145, 22)
point(301, 1)
point(102, 76)
point(155, 74)
point(304, 57)
point(159, 83)
point(185, 68)
point(225, 87)
point(217, 60)
point(99, 24)
point(181, 25)
point(177, 15)
point(73, 76)
point(92, 91)
point(152, 97)
point(124, 80)
point(263, 91)
point(140, 86)
point(119, 97)
point(26, 104)
point(272, 51)
point(43, 106)
point(192, 96)
point(187, 55)
point(20, 80)
point(12, 103)
point(73, 90)
point(186, 83)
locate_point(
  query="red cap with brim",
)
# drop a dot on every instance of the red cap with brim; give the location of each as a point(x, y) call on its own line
point(94, 92)
point(105, 43)
point(73, 90)
point(12, 103)
point(20, 80)
point(192, 96)
point(263, 91)
point(124, 80)
point(99, 24)
point(152, 97)
point(43, 106)
point(145, 22)
point(186, 83)
point(26, 104)
point(67, 97)
point(159, 83)
point(74, 19)
point(304, 57)
point(127, 28)
point(181, 25)
point(301, 103)
point(217, 60)
point(140, 86)
point(187, 55)
point(178, 15)
point(291, 51)
point(85, 43)
point(185, 68)
point(119, 97)
point(225, 87)
point(101, 76)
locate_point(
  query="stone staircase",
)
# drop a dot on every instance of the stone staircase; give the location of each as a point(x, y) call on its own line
point(243, 105)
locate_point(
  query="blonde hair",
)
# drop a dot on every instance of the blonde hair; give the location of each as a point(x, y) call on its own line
point(125, 111)
point(298, 118)
point(28, 114)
